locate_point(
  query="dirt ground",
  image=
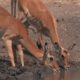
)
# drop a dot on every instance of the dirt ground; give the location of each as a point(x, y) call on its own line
point(68, 19)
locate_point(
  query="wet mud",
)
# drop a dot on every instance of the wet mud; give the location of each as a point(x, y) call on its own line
point(33, 70)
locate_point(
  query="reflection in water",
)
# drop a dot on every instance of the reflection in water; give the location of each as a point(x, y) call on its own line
point(55, 76)
point(71, 74)
point(65, 75)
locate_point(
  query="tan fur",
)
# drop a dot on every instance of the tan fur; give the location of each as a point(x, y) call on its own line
point(39, 10)
point(10, 23)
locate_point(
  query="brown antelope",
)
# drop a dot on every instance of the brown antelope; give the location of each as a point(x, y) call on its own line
point(11, 27)
point(40, 11)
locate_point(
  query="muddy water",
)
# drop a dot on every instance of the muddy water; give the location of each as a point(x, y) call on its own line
point(71, 74)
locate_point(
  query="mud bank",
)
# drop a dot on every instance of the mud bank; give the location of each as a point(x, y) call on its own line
point(31, 71)
point(35, 71)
